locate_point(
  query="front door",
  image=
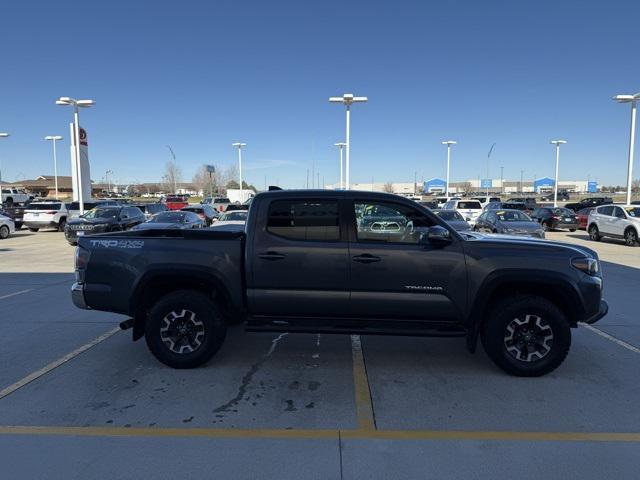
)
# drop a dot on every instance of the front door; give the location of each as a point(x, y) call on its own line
point(394, 273)
point(299, 263)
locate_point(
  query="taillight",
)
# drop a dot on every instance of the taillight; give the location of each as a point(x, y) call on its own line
point(81, 262)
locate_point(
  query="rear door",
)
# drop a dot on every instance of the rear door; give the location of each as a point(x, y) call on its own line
point(395, 274)
point(618, 221)
point(299, 259)
point(605, 217)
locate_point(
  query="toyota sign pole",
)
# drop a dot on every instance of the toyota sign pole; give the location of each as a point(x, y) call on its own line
point(239, 145)
point(632, 137)
point(448, 143)
point(340, 145)
point(54, 139)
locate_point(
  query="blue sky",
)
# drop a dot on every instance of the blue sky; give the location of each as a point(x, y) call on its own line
point(201, 75)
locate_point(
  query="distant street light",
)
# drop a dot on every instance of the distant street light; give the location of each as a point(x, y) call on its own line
point(107, 173)
point(557, 143)
point(54, 139)
point(340, 145)
point(239, 145)
point(347, 100)
point(632, 134)
point(448, 143)
point(2, 135)
point(77, 104)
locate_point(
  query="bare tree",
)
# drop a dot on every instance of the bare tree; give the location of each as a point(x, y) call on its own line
point(172, 175)
point(635, 186)
point(208, 183)
point(467, 188)
point(388, 187)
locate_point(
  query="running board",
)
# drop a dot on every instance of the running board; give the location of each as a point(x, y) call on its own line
point(368, 327)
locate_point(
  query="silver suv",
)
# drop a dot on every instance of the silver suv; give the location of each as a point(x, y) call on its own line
point(615, 221)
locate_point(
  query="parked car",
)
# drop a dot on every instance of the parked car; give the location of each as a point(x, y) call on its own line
point(150, 209)
point(588, 202)
point(615, 221)
point(509, 222)
point(442, 200)
point(530, 202)
point(453, 218)
point(583, 217)
point(218, 203)
point(234, 217)
point(74, 207)
point(379, 221)
point(101, 220)
point(45, 214)
point(176, 220)
point(554, 218)
point(432, 204)
point(563, 195)
point(11, 195)
point(206, 213)
point(305, 264)
point(15, 213)
point(469, 209)
point(176, 202)
point(7, 227)
point(522, 206)
point(493, 206)
point(485, 200)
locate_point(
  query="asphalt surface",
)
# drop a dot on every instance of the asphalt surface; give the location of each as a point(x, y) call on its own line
point(303, 406)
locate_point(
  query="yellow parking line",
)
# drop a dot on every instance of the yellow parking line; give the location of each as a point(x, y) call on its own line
point(320, 434)
point(55, 364)
point(364, 405)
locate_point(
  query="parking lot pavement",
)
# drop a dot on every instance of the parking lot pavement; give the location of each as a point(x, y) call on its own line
point(303, 406)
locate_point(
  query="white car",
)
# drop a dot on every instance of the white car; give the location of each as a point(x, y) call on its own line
point(469, 209)
point(234, 217)
point(442, 200)
point(14, 195)
point(615, 221)
point(7, 227)
point(46, 215)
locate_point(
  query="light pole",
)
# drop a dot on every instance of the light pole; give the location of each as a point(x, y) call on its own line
point(2, 135)
point(557, 143)
point(77, 104)
point(54, 139)
point(239, 145)
point(632, 134)
point(107, 173)
point(502, 180)
point(448, 143)
point(521, 181)
point(348, 99)
point(340, 146)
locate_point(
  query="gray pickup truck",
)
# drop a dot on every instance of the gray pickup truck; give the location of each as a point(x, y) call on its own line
point(343, 262)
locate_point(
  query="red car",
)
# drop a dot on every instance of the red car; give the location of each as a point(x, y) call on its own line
point(176, 202)
point(583, 217)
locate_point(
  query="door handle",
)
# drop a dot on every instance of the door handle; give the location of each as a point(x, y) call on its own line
point(366, 258)
point(271, 256)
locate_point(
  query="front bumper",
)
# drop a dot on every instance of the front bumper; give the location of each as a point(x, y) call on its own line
point(603, 310)
point(40, 224)
point(77, 296)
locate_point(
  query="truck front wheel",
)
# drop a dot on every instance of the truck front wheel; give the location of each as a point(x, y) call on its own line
point(526, 335)
point(185, 329)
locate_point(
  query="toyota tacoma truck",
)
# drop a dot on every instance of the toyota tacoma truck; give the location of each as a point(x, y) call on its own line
point(311, 261)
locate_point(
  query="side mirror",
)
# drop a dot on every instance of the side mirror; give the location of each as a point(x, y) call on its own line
point(437, 235)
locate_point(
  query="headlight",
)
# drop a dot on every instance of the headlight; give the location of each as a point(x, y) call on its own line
point(588, 265)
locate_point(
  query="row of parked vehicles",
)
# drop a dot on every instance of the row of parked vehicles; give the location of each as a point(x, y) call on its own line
point(109, 215)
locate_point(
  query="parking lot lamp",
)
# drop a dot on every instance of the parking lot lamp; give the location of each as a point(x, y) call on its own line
point(340, 146)
point(448, 143)
point(54, 139)
point(348, 99)
point(239, 146)
point(77, 104)
point(2, 135)
point(632, 134)
point(557, 143)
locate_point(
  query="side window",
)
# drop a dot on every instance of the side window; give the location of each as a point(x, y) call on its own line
point(606, 211)
point(389, 223)
point(483, 216)
point(492, 217)
point(313, 220)
point(618, 213)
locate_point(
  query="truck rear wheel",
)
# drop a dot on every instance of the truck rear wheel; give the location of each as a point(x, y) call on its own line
point(526, 335)
point(185, 329)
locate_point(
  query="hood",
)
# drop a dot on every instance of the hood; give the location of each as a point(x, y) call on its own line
point(524, 225)
point(518, 240)
point(92, 221)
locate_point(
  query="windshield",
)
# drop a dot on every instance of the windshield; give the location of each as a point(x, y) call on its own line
point(512, 216)
point(102, 213)
point(449, 215)
point(168, 217)
point(633, 211)
point(233, 216)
